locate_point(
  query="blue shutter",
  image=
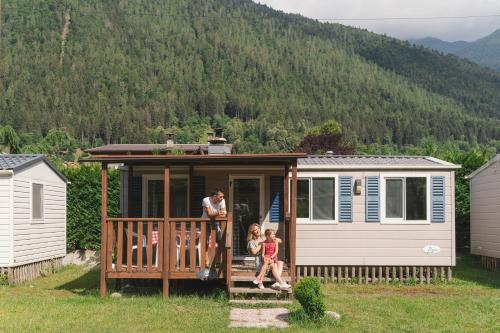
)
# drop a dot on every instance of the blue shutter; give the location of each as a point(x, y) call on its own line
point(277, 185)
point(372, 199)
point(345, 199)
point(437, 199)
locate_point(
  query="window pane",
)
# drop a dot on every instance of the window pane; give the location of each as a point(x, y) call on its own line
point(303, 198)
point(323, 199)
point(416, 199)
point(37, 202)
point(155, 198)
point(394, 198)
point(178, 197)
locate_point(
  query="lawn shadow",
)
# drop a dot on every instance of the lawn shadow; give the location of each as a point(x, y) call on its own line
point(86, 284)
point(469, 269)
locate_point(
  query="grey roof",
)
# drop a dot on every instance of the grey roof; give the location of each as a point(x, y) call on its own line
point(18, 162)
point(148, 148)
point(494, 160)
point(365, 161)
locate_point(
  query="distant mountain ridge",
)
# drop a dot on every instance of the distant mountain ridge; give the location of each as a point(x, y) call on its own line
point(484, 51)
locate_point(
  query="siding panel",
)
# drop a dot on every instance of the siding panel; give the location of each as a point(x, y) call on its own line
point(39, 240)
point(485, 212)
point(362, 243)
point(5, 227)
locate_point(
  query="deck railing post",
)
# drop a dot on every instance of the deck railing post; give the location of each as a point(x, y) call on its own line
point(104, 229)
point(166, 230)
point(286, 213)
point(229, 249)
point(293, 222)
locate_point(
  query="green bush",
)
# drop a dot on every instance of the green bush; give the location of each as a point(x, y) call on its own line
point(308, 293)
point(84, 205)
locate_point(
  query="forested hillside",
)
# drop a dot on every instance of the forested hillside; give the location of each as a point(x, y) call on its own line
point(115, 71)
point(485, 51)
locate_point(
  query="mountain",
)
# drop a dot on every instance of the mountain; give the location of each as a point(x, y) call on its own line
point(485, 51)
point(116, 71)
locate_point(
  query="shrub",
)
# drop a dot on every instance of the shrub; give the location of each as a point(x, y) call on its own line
point(308, 293)
point(84, 205)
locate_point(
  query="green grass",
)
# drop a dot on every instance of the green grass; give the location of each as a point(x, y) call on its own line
point(68, 301)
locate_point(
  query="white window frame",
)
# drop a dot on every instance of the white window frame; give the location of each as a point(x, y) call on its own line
point(383, 199)
point(315, 175)
point(33, 220)
point(145, 190)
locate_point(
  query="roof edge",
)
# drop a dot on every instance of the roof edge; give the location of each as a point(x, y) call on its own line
point(41, 158)
point(495, 159)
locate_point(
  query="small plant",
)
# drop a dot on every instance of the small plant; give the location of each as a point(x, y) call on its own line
point(308, 293)
point(4, 280)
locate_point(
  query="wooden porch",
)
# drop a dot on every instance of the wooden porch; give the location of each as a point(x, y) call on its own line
point(169, 248)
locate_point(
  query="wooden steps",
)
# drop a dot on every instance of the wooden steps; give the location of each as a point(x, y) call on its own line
point(250, 278)
point(259, 302)
point(244, 290)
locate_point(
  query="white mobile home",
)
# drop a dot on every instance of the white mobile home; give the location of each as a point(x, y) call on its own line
point(485, 213)
point(357, 218)
point(32, 216)
point(388, 215)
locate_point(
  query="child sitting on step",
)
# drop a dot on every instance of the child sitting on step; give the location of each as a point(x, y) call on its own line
point(270, 258)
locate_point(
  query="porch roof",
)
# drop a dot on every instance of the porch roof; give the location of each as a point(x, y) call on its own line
point(283, 158)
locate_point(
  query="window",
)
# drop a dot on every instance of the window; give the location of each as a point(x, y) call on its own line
point(406, 199)
point(37, 202)
point(179, 197)
point(316, 199)
point(303, 198)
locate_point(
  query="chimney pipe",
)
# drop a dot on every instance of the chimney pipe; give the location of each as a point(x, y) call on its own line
point(170, 138)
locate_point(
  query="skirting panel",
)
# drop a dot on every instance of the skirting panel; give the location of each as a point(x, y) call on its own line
point(490, 263)
point(377, 274)
point(28, 272)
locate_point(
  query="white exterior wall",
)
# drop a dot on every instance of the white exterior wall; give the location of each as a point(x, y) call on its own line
point(485, 212)
point(5, 221)
point(39, 240)
point(375, 243)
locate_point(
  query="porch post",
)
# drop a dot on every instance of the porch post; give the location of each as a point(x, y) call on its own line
point(293, 223)
point(286, 213)
point(104, 230)
point(130, 177)
point(166, 229)
point(190, 188)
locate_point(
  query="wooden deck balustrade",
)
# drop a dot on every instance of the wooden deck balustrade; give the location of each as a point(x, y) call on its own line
point(135, 247)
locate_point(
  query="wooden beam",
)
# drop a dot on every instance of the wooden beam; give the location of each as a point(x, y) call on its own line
point(190, 187)
point(166, 228)
point(130, 177)
point(293, 222)
point(104, 229)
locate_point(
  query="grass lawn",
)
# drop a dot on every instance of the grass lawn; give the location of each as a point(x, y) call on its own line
point(68, 301)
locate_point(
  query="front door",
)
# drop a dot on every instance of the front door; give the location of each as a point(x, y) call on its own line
point(246, 194)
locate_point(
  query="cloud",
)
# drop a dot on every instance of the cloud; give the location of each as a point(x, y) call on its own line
point(447, 29)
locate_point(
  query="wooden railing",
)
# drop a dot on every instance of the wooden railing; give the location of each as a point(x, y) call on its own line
point(134, 247)
point(197, 244)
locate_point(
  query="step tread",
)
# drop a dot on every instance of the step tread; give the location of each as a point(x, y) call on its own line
point(250, 278)
point(241, 290)
point(256, 301)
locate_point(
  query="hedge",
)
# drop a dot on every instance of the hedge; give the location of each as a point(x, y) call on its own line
point(84, 205)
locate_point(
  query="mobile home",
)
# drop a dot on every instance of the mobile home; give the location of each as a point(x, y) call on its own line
point(485, 213)
point(32, 216)
point(364, 218)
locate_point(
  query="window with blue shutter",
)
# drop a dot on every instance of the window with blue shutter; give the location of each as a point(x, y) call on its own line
point(276, 205)
point(437, 199)
point(345, 199)
point(372, 199)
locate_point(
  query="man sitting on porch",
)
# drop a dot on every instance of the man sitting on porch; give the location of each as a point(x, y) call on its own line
point(214, 206)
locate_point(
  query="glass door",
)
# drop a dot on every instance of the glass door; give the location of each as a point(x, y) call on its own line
point(246, 205)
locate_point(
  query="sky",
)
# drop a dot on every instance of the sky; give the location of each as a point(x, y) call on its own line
point(446, 29)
